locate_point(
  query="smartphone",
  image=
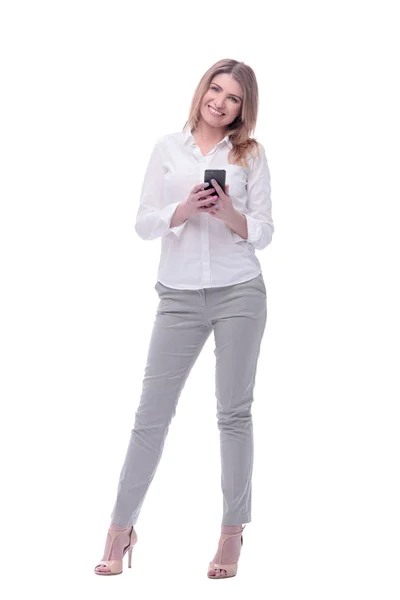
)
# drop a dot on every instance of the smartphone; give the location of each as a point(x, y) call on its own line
point(220, 177)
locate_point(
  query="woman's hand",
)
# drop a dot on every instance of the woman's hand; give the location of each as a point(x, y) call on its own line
point(198, 201)
point(223, 209)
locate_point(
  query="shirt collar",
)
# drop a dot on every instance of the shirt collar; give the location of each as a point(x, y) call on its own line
point(189, 136)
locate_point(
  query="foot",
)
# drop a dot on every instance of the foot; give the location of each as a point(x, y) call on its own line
point(230, 550)
point(121, 542)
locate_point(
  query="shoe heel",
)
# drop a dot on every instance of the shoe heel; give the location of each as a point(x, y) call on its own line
point(130, 557)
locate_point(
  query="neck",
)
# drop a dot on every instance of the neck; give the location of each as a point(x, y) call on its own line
point(208, 135)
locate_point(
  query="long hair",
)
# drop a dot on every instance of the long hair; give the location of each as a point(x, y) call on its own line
point(241, 129)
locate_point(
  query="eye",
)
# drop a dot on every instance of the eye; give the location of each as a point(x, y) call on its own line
point(217, 90)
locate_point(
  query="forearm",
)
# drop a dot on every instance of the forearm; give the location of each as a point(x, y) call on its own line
point(238, 224)
point(179, 215)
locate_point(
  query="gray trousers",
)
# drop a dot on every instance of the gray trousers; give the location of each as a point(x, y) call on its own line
point(185, 318)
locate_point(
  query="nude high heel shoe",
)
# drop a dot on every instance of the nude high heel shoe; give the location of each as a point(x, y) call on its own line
point(115, 565)
point(231, 569)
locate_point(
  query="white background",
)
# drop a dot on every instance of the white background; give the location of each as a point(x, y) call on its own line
point(87, 88)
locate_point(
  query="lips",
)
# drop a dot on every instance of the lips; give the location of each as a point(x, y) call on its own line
point(220, 114)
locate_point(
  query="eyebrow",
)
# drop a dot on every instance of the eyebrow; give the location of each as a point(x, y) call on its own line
point(213, 83)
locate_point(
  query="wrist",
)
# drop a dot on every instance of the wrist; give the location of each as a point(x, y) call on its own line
point(234, 217)
point(238, 224)
point(179, 215)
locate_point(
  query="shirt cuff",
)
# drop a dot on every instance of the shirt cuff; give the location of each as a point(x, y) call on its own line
point(254, 231)
point(166, 215)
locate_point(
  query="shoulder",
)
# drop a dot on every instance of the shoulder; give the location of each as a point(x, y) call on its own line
point(257, 161)
point(175, 136)
point(260, 149)
point(169, 140)
point(257, 156)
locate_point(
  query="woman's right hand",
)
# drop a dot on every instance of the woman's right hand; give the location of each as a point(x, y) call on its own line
point(200, 200)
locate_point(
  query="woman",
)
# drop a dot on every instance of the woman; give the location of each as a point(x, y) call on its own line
point(209, 279)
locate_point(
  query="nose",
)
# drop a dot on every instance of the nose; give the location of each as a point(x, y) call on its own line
point(216, 100)
point(219, 105)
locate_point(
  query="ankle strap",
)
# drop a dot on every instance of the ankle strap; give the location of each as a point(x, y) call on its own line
point(233, 534)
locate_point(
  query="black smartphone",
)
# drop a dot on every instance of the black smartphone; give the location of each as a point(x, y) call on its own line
point(220, 177)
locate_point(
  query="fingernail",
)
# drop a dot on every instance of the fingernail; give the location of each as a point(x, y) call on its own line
point(213, 181)
point(206, 183)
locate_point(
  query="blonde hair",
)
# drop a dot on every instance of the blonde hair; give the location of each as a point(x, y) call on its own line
point(243, 126)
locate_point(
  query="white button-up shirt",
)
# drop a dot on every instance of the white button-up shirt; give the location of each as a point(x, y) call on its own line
point(203, 251)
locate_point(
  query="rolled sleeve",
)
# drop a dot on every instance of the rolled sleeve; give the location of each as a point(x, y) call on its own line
point(166, 215)
point(153, 219)
point(260, 226)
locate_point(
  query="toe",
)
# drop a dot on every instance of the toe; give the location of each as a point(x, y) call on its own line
point(103, 569)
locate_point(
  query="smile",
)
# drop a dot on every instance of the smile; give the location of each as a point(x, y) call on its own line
point(215, 113)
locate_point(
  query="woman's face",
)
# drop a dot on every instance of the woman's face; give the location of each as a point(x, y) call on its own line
point(226, 95)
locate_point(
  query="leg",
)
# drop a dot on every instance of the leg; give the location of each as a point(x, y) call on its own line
point(179, 334)
point(238, 329)
point(238, 337)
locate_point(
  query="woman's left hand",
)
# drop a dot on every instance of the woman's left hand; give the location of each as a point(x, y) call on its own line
point(223, 209)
